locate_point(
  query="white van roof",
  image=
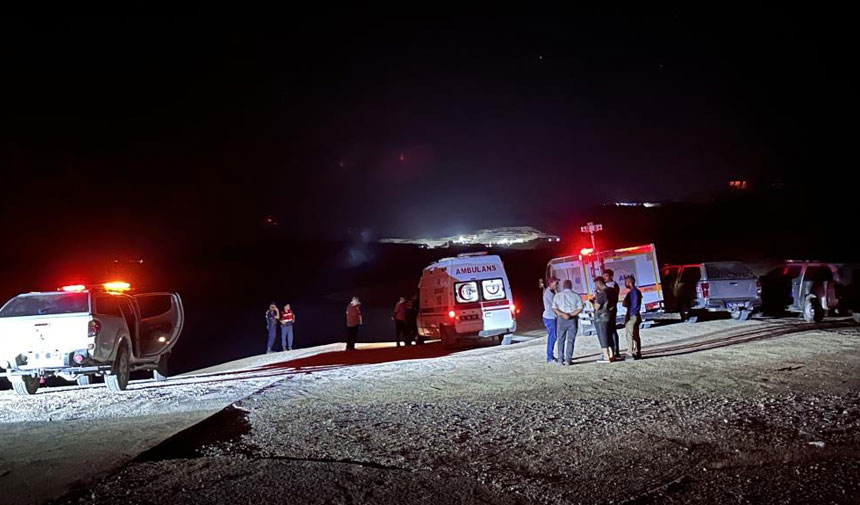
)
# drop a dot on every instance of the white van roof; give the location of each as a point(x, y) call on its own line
point(467, 260)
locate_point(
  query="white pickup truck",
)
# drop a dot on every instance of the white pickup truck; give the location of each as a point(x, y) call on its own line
point(79, 332)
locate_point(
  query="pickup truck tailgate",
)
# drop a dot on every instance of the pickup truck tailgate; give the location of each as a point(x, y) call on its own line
point(733, 289)
point(43, 340)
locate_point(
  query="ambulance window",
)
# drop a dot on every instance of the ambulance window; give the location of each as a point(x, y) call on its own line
point(494, 289)
point(466, 292)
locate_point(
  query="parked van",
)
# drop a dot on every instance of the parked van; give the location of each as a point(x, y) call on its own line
point(466, 298)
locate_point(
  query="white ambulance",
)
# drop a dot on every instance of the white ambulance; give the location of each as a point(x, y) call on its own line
point(466, 298)
point(639, 261)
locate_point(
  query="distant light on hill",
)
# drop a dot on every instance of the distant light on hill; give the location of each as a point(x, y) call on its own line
point(520, 236)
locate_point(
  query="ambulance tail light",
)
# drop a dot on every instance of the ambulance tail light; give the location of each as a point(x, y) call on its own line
point(758, 288)
point(452, 314)
point(94, 328)
point(706, 290)
point(514, 309)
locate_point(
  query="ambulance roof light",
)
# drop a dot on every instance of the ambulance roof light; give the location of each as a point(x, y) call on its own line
point(74, 288)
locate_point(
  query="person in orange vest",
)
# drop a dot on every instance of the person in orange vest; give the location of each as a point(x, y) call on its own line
point(287, 320)
point(399, 318)
point(353, 322)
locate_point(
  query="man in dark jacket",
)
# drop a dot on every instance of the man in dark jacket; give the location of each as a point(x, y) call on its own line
point(601, 318)
point(412, 320)
point(612, 294)
point(633, 304)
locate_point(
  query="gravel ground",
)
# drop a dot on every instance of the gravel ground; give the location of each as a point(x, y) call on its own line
point(756, 412)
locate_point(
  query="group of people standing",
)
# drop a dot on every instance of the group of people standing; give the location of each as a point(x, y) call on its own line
point(285, 320)
point(404, 315)
point(561, 318)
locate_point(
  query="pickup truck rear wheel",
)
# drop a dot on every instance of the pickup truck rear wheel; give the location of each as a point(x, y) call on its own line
point(84, 380)
point(160, 372)
point(24, 384)
point(740, 315)
point(812, 310)
point(117, 379)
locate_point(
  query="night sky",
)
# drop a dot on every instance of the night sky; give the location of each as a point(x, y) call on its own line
point(344, 121)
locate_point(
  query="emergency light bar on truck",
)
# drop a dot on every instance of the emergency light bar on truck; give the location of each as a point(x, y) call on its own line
point(110, 287)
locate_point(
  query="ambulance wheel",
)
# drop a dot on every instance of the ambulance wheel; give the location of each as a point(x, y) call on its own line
point(24, 385)
point(448, 338)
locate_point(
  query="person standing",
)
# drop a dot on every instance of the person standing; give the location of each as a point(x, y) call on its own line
point(287, 320)
point(612, 295)
point(412, 320)
point(399, 318)
point(567, 305)
point(601, 318)
point(272, 317)
point(549, 318)
point(633, 304)
point(353, 322)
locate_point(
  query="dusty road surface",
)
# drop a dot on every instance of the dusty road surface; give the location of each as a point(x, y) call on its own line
point(762, 411)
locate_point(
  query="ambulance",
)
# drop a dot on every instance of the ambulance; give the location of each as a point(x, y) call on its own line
point(466, 298)
point(639, 261)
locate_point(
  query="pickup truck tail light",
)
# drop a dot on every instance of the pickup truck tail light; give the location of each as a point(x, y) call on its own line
point(706, 290)
point(94, 328)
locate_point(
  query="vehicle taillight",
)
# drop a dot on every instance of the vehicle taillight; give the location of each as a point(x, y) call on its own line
point(706, 290)
point(94, 328)
point(758, 287)
point(514, 309)
point(452, 314)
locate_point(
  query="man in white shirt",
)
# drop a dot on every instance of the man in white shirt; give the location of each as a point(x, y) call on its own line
point(549, 318)
point(566, 305)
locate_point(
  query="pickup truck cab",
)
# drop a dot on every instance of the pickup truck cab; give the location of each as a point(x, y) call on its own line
point(78, 332)
point(725, 286)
